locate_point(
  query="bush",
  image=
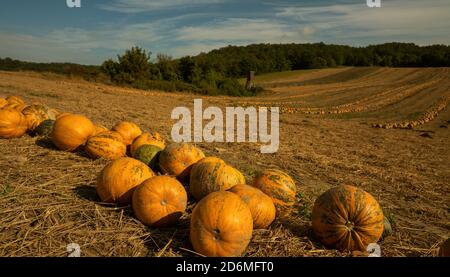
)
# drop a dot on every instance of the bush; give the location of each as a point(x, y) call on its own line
point(232, 87)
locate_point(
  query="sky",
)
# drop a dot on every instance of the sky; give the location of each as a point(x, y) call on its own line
point(50, 31)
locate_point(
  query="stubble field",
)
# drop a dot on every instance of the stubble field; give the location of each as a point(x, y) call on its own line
point(384, 130)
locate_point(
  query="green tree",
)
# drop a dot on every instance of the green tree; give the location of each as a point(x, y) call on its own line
point(166, 67)
point(134, 65)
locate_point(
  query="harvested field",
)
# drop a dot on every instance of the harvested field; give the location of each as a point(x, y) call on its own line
point(327, 137)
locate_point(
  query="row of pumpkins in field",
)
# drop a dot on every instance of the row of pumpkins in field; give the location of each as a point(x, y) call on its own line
point(429, 115)
point(227, 210)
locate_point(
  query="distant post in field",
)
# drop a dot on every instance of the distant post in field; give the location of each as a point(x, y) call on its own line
point(250, 80)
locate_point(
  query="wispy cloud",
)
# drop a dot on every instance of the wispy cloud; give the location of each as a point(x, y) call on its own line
point(139, 6)
point(243, 30)
point(189, 33)
point(417, 21)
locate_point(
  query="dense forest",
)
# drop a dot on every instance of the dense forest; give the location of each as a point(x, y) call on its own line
point(216, 72)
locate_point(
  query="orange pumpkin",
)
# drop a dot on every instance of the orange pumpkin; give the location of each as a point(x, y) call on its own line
point(106, 145)
point(147, 138)
point(278, 185)
point(100, 129)
point(213, 174)
point(159, 201)
point(117, 180)
point(12, 123)
point(128, 130)
point(15, 102)
point(261, 205)
point(71, 131)
point(177, 159)
point(221, 225)
point(347, 218)
point(36, 114)
point(444, 250)
point(3, 102)
point(14, 99)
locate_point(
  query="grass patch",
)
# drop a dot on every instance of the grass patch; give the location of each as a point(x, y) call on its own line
point(302, 208)
point(44, 94)
point(5, 190)
point(278, 76)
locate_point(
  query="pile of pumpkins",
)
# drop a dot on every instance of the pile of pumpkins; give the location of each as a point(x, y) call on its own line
point(227, 209)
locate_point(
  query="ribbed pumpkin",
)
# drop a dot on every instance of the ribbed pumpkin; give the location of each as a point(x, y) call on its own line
point(278, 185)
point(177, 159)
point(260, 204)
point(159, 201)
point(71, 131)
point(15, 102)
point(35, 114)
point(148, 154)
point(213, 174)
point(45, 128)
point(100, 129)
point(12, 123)
point(221, 225)
point(444, 249)
point(128, 130)
point(3, 102)
point(347, 218)
point(117, 180)
point(147, 138)
point(106, 145)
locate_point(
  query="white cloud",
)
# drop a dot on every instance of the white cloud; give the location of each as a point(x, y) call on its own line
point(138, 6)
point(418, 21)
point(80, 45)
point(238, 30)
point(193, 48)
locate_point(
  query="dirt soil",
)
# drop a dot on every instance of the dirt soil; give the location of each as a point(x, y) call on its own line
point(48, 198)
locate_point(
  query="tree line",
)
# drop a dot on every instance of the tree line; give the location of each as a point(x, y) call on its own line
point(216, 72)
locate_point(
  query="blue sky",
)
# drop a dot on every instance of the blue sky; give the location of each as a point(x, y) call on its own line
point(50, 31)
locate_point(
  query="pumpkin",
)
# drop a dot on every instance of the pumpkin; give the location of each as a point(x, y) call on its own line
point(159, 201)
point(260, 204)
point(106, 145)
point(177, 159)
point(221, 225)
point(347, 218)
point(148, 154)
point(15, 102)
point(213, 174)
point(98, 129)
point(36, 114)
point(12, 123)
point(71, 131)
point(128, 130)
point(444, 250)
point(117, 180)
point(45, 128)
point(147, 138)
point(278, 185)
point(3, 102)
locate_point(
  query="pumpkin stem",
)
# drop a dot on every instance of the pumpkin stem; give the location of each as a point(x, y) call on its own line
point(349, 225)
point(216, 233)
